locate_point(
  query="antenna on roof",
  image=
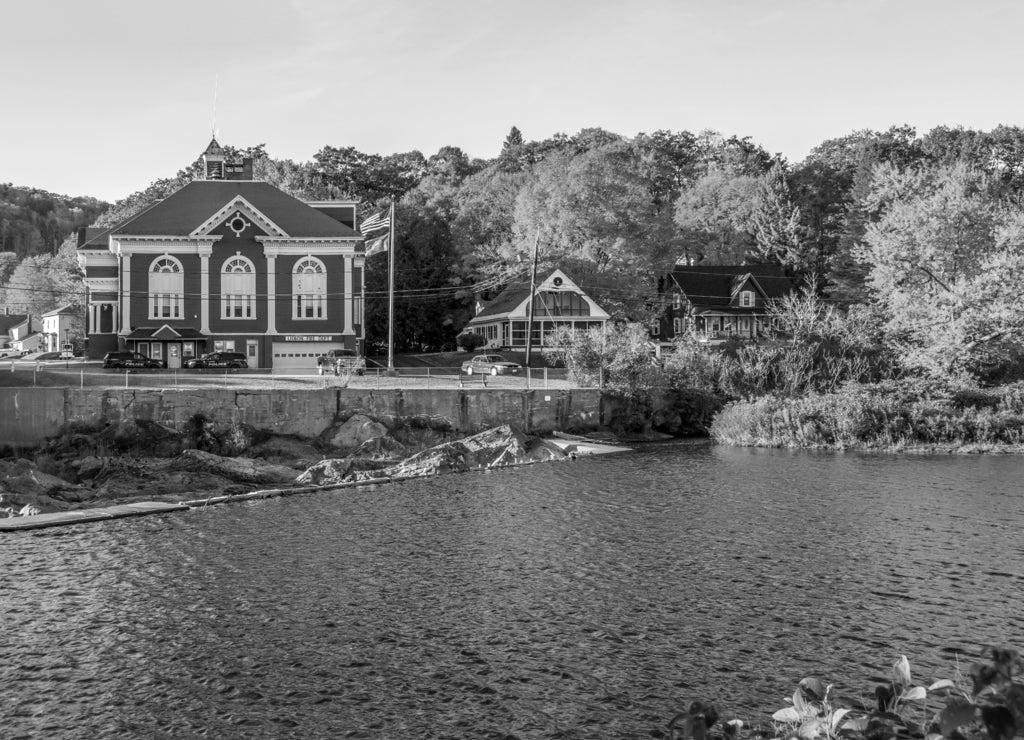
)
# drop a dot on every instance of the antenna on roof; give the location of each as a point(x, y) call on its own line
point(216, 80)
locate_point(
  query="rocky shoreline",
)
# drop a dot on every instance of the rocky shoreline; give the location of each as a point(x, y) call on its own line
point(140, 460)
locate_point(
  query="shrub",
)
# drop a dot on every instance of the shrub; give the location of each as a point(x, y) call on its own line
point(470, 341)
point(884, 415)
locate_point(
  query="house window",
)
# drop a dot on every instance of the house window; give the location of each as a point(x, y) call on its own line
point(519, 333)
point(309, 289)
point(677, 326)
point(551, 303)
point(655, 327)
point(238, 289)
point(166, 288)
point(747, 298)
point(357, 310)
point(677, 301)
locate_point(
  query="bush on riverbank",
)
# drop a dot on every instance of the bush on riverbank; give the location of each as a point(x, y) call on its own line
point(891, 415)
point(989, 703)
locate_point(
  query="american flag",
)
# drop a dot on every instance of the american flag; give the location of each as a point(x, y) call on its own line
point(381, 220)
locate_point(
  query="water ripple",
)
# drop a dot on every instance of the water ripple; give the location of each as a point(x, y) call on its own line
point(593, 598)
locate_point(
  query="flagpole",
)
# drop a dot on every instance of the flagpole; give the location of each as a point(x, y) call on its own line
point(391, 293)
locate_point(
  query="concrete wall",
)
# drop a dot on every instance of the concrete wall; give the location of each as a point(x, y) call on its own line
point(29, 415)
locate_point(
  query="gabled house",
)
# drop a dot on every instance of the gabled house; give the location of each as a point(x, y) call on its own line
point(16, 331)
point(718, 302)
point(558, 302)
point(62, 325)
point(227, 263)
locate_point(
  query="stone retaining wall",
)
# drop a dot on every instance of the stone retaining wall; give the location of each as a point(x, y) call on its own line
point(30, 415)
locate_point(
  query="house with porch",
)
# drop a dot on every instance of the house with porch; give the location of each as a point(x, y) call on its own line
point(558, 302)
point(718, 302)
point(228, 263)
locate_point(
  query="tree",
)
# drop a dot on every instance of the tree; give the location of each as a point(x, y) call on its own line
point(595, 213)
point(778, 233)
point(513, 140)
point(429, 308)
point(715, 218)
point(619, 357)
point(947, 261)
point(41, 283)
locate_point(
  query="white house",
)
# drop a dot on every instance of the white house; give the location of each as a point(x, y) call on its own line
point(62, 325)
point(558, 302)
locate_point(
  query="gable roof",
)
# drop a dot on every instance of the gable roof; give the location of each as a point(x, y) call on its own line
point(512, 297)
point(189, 207)
point(713, 286)
point(186, 209)
point(65, 309)
point(10, 320)
point(516, 294)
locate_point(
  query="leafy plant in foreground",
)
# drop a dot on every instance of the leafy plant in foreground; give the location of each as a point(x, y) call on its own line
point(991, 707)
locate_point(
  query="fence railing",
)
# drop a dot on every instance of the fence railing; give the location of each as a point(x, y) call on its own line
point(537, 378)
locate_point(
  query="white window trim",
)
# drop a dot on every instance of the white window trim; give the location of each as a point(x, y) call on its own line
point(677, 300)
point(747, 299)
point(158, 300)
point(247, 301)
point(318, 299)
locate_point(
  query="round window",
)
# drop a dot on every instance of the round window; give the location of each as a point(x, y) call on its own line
point(237, 224)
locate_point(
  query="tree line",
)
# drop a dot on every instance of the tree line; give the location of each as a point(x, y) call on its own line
point(925, 228)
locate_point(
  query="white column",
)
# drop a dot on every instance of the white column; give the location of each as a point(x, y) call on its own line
point(204, 293)
point(126, 294)
point(348, 302)
point(271, 295)
point(360, 262)
point(115, 318)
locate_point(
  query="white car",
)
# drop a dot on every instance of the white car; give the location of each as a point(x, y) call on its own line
point(492, 364)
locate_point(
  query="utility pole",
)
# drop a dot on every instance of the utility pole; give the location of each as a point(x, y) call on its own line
point(391, 290)
point(529, 309)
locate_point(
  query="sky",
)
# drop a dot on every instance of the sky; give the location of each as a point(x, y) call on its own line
point(101, 98)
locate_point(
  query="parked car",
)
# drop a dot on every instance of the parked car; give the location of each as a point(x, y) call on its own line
point(118, 360)
point(341, 360)
point(493, 364)
point(218, 359)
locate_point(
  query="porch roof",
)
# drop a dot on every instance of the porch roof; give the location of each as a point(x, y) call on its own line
point(167, 333)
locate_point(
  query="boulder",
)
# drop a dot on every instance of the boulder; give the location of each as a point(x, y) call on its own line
point(493, 448)
point(353, 433)
point(326, 472)
point(236, 469)
point(141, 436)
point(24, 488)
point(385, 449)
point(286, 451)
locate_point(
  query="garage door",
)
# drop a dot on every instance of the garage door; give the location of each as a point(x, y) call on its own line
point(300, 355)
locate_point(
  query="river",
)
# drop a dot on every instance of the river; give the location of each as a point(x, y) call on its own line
point(588, 599)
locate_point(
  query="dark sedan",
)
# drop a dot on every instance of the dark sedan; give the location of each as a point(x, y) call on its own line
point(218, 359)
point(119, 360)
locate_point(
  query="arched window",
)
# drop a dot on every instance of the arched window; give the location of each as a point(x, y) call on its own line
point(166, 289)
point(309, 289)
point(238, 289)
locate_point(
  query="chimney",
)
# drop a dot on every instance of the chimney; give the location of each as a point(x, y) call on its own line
point(247, 168)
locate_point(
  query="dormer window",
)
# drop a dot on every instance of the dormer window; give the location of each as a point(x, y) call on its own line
point(747, 298)
point(677, 301)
